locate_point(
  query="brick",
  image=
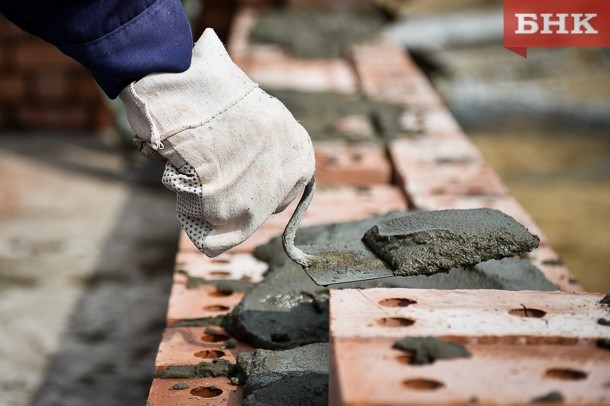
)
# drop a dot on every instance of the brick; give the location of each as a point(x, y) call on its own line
point(35, 54)
point(226, 266)
point(12, 89)
point(549, 262)
point(386, 73)
point(448, 179)
point(197, 303)
point(342, 164)
point(55, 117)
point(52, 85)
point(273, 68)
point(182, 346)
point(475, 316)
point(454, 147)
point(209, 391)
point(370, 372)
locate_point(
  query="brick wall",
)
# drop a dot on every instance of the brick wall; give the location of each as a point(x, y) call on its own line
point(41, 88)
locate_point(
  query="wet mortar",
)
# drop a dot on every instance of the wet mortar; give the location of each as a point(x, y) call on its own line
point(348, 117)
point(427, 350)
point(297, 376)
point(316, 34)
point(425, 243)
point(212, 369)
point(287, 310)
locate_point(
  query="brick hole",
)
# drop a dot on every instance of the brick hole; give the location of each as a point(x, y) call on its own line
point(422, 384)
point(395, 322)
point(216, 308)
point(217, 293)
point(221, 260)
point(214, 338)
point(405, 358)
point(206, 392)
point(209, 354)
point(356, 156)
point(220, 274)
point(566, 374)
point(397, 302)
point(526, 312)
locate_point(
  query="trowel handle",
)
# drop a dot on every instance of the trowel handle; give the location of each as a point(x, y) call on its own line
point(290, 232)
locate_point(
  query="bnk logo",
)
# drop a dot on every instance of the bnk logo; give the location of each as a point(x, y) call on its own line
point(555, 23)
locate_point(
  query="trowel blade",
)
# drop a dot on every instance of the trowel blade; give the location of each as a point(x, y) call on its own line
point(346, 261)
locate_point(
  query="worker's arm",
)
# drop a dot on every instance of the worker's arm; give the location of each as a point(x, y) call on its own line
point(119, 41)
point(235, 155)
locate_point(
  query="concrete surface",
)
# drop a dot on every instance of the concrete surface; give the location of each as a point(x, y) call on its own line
point(85, 269)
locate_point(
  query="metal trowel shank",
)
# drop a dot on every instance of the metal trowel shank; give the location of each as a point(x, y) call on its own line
point(328, 264)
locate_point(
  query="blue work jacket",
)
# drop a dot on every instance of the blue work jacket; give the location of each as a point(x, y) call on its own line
point(119, 41)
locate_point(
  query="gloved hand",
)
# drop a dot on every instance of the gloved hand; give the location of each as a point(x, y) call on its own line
point(235, 154)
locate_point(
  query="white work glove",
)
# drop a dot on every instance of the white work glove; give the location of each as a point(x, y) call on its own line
point(235, 154)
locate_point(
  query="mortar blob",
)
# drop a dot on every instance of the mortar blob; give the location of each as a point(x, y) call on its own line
point(425, 243)
point(291, 377)
point(287, 309)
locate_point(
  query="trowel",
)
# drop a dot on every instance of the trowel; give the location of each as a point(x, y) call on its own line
point(422, 243)
point(329, 264)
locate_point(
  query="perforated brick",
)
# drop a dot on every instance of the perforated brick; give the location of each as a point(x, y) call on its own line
point(475, 315)
point(209, 391)
point(191, 345)
point(342, 164)
point(370, 372)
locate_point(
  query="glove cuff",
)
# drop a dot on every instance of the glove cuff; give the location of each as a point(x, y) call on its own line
point(161, 105)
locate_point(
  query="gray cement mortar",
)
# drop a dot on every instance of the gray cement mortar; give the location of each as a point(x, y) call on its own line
point(315, 34)
point(425, 243)
point(322, 112)
point(291, 377)
point(426, 350)
point(288, 310)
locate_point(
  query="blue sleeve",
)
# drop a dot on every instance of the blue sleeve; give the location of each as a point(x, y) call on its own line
point(119, 41)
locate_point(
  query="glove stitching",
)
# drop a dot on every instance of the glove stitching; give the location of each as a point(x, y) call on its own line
point(192, 126)
point(155, 139)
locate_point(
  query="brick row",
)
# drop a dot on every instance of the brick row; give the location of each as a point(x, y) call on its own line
point(273, 68)
point(524, 347)
point(194, 392)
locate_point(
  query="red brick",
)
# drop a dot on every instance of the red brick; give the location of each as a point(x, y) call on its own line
point(342, 164)
point(198, 302)
point(370, 372)
point(226, 266)
point(52, 85)
point(55, 117)
point(192, 345)
point(476, 316)
point(386, 72)
point(12, 89)
point(452, 147)
point(272, 67)
point(448, 179)
point(209, 391)
point(35, 54)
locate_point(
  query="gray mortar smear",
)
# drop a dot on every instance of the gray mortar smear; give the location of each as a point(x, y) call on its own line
point(426, 350)
point(425, 243)
point(320, 113)
point(551, 397)
point(213, 369)
point(291, 377)
point(288, 310)
point(315, 34)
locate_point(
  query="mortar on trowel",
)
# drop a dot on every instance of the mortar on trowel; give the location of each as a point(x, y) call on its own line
point(422, 243)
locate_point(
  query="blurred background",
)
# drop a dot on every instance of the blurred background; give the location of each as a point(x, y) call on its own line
point(88, 234)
